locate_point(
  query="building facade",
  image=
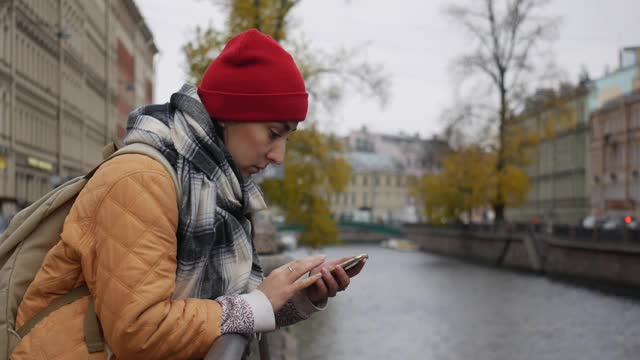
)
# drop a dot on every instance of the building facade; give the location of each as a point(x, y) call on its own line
point(614, 115)
point(584, 169)
point(70, 72)
point(384, 169)
point(558, 172)
point(416, 155)
point(615, 154)
point(378, 191)
point(623, 81)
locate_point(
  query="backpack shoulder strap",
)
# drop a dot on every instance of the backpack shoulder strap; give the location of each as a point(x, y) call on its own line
point(56, 304)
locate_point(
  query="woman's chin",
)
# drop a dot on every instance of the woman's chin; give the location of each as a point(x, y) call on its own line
point(252, 170)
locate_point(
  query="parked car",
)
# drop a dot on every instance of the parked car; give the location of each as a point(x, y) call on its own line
point(613, 224)
point(620, 222)
point(631, 222)
point(593, 222)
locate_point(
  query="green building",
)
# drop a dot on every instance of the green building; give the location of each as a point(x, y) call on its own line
point(559, 191)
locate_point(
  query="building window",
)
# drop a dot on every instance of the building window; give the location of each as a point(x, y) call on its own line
point(635, 116)
point(614, 156)
point(634, 153)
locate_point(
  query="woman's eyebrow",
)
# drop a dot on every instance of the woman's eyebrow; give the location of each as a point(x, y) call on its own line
point(287, 127)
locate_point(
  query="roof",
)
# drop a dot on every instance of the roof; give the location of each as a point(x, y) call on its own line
point(140, 21)
point(359, 161)
point(615, 102)
point(367, 161)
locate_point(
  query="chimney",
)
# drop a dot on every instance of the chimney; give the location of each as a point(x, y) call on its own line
point(629, 56)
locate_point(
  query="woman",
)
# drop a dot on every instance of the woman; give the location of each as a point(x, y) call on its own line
point(167, 280)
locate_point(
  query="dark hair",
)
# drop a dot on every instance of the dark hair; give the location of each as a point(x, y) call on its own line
point(217, 127)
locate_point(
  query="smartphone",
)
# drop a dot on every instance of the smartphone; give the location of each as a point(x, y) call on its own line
point(348, 264)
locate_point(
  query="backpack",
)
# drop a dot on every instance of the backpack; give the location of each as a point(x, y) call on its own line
point(31, 234)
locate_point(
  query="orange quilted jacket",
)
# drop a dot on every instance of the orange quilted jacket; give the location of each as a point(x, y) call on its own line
point(119, 239)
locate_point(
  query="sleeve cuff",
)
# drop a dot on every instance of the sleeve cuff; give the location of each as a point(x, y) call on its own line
point(246, 314)
point(264, 318)
point(306, 306)
point(297, 309)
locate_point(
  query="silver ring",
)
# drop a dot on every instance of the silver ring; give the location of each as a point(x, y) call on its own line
point(289, 267)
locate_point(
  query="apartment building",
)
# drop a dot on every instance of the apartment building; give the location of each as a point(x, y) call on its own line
point(384, 168)
point(614, 112)
point(378, 191)
point(558, 173)
point(615, 154)
point(70, 72)
point(416, 155)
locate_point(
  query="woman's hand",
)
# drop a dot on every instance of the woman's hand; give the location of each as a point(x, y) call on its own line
point(330, 284)
point(285, 281)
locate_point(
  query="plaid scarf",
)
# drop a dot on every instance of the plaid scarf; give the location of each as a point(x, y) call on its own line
point(216, 255)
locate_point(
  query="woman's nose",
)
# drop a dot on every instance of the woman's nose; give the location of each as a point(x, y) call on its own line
point(277, 152)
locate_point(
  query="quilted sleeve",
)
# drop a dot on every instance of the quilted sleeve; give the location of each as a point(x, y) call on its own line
point(135, 254)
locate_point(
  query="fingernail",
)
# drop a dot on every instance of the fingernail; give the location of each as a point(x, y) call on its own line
point(321, 257)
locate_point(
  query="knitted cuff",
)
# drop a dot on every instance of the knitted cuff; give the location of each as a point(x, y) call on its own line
point(246, 314)
point(297, 309)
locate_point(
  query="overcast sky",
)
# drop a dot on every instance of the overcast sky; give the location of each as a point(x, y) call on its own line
point(413, 41)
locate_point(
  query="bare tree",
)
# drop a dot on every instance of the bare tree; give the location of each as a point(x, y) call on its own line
point(508, 39)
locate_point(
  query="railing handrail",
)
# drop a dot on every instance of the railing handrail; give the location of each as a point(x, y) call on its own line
point(228, 347)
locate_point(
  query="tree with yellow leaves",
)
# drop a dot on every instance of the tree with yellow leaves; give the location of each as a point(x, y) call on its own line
point(468, 181)
point(314, 168)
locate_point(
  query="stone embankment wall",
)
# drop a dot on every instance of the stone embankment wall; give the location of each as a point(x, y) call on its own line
point(606, 262)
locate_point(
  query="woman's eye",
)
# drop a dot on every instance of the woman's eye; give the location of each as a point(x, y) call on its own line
point(274, 135)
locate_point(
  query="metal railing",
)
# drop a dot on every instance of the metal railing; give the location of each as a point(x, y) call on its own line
point(228, 347)
point(558, 231)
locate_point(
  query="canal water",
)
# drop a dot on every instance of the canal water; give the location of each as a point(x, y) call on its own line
point(414, 305)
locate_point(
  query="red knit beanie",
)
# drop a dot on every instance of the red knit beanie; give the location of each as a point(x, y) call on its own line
point(254, 79)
